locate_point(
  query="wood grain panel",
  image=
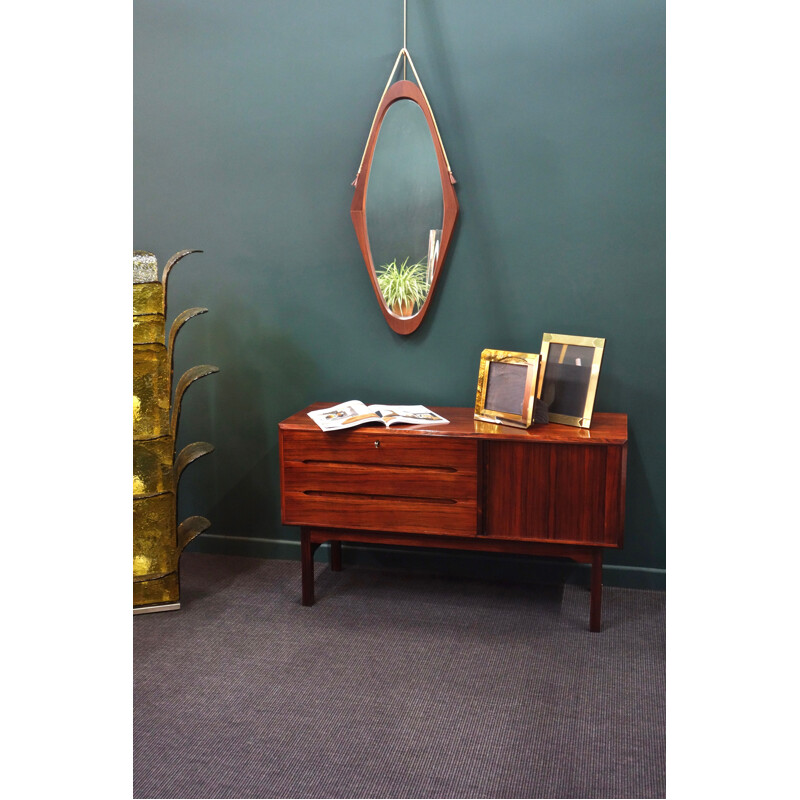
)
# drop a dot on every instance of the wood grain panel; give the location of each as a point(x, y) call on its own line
point(559, 493)
point(393, 448)
point(606, 429)
point(578, 494)
point(616, 474)
point(369, 512)
point(516, 485)
point(380, 479)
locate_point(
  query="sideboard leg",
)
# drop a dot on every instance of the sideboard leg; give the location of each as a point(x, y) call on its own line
point(307, 567)
point(596, 599)
point(336, 556)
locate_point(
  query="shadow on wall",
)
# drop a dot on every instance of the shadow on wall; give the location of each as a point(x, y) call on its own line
point(643, 513)
point(263, 378)
point(645, 524)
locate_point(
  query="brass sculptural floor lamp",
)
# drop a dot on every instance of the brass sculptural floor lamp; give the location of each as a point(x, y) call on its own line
point(158, 540)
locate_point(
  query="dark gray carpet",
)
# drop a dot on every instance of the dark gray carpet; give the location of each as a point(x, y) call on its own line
point(395, 684)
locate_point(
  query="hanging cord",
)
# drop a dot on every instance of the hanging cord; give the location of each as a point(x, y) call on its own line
point(406, 56)
point(404, 38)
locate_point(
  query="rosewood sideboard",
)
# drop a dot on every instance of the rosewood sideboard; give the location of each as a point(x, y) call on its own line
point(549, 490)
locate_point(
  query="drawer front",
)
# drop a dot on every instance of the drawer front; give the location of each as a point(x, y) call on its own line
point(380, 481)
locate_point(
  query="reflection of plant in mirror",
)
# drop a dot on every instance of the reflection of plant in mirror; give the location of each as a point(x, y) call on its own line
point(403, 287)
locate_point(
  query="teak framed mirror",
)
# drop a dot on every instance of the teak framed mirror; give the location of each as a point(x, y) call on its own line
point(404, 208)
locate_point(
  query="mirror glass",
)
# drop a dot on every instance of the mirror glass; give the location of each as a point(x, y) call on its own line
point(404, 209)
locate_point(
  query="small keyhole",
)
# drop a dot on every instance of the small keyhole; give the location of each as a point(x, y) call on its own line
point(377, 444)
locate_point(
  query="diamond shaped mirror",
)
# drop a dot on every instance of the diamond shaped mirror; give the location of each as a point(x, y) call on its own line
point(404, 208)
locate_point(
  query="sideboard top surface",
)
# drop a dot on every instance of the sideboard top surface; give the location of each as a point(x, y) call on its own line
point(606, 428)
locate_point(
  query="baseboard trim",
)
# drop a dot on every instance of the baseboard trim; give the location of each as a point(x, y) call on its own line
point(522, 569)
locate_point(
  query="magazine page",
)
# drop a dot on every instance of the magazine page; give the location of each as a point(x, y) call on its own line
point(344, 415)
point(415, 415)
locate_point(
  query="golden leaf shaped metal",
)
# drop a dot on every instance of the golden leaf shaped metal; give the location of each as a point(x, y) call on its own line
point(186, 380)
point(190, 453)
point(174, 330)
point(157, 540)
point(190, 528)
point(168, 268)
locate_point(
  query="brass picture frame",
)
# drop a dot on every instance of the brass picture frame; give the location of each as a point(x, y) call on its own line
point(568, 377)
point(507, 387)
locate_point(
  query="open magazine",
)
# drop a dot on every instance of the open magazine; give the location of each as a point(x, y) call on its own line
point(354, 412)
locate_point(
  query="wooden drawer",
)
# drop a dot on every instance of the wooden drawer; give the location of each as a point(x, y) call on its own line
point(380, 480)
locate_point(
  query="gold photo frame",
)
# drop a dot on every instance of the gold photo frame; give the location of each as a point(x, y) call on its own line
point(507, 387)
point(568, 377)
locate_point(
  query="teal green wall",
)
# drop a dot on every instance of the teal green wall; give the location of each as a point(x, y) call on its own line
point(250, 119)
